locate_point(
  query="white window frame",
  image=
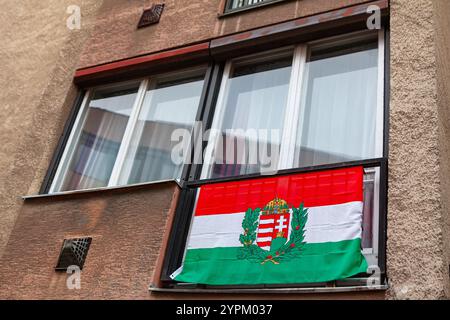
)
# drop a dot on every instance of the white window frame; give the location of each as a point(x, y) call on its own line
point(70, 145)
point(294, 108)
point(119, 164)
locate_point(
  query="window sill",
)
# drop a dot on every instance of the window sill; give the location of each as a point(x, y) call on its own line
point(376, 288)
point(96, 190)
point(248, 8)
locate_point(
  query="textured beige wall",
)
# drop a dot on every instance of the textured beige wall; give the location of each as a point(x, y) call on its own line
point(416, 263)
point(442, 40)
point(126, 227)
point(183, 22)
point(38, 56)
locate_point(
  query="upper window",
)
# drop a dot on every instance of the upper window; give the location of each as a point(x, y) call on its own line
point(251, 107)
point(122, 134)
point(338, 119)
point(236, 5)
point(313, 104)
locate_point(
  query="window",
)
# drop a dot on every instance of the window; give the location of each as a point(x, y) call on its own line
point(170, 103)
point(339, 106)
point(94, 150)
point(237, 5)
point(123, 132)
point(322, 103)
point(307, 107)
point(253, 100)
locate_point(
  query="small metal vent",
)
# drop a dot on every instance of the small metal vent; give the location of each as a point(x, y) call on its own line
point(73, 253)
point(151, 16)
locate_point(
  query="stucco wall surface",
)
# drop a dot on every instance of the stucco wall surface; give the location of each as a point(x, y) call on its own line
point(183, 22)
point(442, 40)
point(126, 226)
point(416, 265)
point(38, 57)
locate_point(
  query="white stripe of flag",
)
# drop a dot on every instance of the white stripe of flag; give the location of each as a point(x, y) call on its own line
point(325, 224)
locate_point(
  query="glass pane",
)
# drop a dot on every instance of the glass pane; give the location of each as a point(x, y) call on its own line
point(236, 4)
point(368, 210)
point(339, 107)
point(169, 104)
point(99, 141)
point(249, 132)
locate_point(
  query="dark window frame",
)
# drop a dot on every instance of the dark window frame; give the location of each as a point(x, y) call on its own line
point(62, 143)
point(228, 10)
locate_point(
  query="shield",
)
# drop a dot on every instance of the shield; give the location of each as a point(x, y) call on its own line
point(273, 228)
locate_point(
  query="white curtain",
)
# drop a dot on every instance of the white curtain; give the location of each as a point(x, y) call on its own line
point(254, 101)
point(340, 105)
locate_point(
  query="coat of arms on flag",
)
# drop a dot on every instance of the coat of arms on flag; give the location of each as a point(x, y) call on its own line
point(273, 223)
point(278, 235)
point(299, 228)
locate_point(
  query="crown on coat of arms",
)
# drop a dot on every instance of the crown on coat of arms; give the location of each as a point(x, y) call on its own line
point(276, 206)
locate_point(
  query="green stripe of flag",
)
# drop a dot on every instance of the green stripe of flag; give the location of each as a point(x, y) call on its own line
point(318, 262)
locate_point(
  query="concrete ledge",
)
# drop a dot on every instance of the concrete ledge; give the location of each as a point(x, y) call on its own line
point(276, 290)
point(95, 190)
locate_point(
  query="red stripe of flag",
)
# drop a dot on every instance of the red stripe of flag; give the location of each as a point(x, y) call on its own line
point(262, 218)
point(264, 235)
point(314, 189)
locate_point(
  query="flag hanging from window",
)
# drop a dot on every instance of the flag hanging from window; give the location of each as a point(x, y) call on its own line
point(301, 228)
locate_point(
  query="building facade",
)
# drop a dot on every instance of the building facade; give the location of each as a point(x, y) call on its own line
point(91, 102)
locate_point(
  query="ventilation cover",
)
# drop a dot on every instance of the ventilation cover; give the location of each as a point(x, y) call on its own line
point(73, 252)
point(151, 16)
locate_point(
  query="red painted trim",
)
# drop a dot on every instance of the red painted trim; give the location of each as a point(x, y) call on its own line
point(140, 60)
point(232, 39)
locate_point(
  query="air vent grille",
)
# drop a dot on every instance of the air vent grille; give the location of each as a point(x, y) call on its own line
point(73, 252)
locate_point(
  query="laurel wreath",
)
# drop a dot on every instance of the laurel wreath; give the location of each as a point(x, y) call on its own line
point(293, 247)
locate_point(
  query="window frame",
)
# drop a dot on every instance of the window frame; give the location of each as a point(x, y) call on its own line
point(297, 69)
point(372, 254)
point(143, 84)
point(295, 109)
point(183, 215)
point(228, 10)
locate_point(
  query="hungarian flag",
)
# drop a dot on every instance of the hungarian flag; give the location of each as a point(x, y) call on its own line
point(293, 229)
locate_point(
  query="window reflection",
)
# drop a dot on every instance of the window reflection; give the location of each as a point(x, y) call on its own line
point(169, 104)
point(99, 141)
point(256, 99)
